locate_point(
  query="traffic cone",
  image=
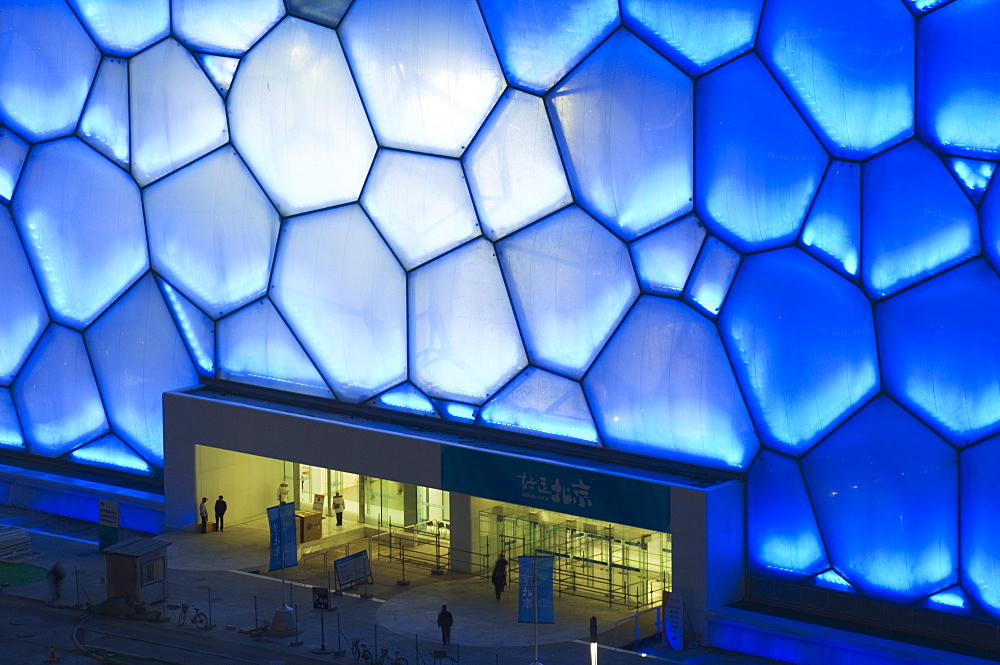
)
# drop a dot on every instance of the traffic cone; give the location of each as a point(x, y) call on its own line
point(52, 656)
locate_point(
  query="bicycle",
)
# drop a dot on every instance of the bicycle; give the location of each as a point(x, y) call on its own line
point(360, 650)
point(183, 612)
point(396, 659)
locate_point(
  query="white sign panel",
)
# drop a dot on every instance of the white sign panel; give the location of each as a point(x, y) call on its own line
point(108, 513)
point(673, 620)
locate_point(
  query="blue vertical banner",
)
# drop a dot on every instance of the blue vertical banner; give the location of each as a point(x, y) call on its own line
point(535, 598)
point(284, 549)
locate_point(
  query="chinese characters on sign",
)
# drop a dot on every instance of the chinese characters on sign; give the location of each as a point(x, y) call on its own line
point(541, 489)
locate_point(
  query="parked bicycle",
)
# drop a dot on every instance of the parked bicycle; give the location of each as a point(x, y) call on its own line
point(362, 652)
point(183, 612)
point(395, 660)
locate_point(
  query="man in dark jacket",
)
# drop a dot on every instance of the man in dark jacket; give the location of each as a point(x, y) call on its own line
point(445, 621)
point(220, 511)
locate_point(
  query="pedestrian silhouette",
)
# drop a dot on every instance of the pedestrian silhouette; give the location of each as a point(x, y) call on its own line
point(444, 621)
point(56, 575)
point(499, 576)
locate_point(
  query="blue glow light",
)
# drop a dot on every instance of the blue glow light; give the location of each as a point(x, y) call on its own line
point(22, 311)
point(950, 600)
point(664, 258)
point(104, 124)
point(831, 580)
point(540, 403)
point(975, 175)
point(111, 452)
point(711, 276)
point(980, 544)
point(13, 153)
point(194, 326)
point(832, 232)
point(406, 398)
point(10, 429)
point(458, 411)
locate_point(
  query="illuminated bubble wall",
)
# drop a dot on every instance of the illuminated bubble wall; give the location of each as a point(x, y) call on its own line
point(753, 236)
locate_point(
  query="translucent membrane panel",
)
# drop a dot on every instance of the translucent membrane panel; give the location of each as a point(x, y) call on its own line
point(48, 63)
point(124, 27)
point(111, 452)
point(10, 429)
point(212, 232)
point(256, 347)
point(22, 311)
point(848, 65)
point(298, 121)
point(464, 340)
point(980, 503)
point(406, 398)
point(663, 387)
point(138, 355)
point(758, 163)
point(194, 326)
point(426, 70)
point(13, 152)
point(959, 79)
point(465, 413)
point(832, 232)
point(571, 282)
point(783, 539)
point(539, 41)
point(802, 341)
point(544, 404)
point(910, 233)
point(72, 207)
point(974, 175)
point(226, 27)
point(56, 396)
point(938, 345)
point(344, 296)
point(104, 124)
point(831, 580)
point(664, 258)
point(885, 491)
point(420, 204)
point(623, 120)
point(326, 12)
point(513, 166)
point(696, 35)
point(950, 600)
point(177, 116)
point(925, 5)
point(220, 69)
point(991, 227)
point(711, 277)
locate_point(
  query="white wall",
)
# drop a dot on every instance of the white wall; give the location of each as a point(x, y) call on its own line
point(248, 482)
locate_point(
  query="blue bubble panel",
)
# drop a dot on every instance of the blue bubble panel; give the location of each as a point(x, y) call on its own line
point(464, 340)
point(539, 41)
point(990, 217)
point(420, 204)
point(951, 600)
point(343, 294)
point(910, 234)
point(426, 70)
point(303, 158)
point(758, 164)
point(220, 69)
point(848, 65)
point(958, 76)
point(124, 27)
point(22, 310)
point(663, 387)
point(48, 63)
point(803, 345)
point(464, 413)
point(711, 277)
point(406, 398)
point(627, 138)
point(212, 232)
point(938, 344)
point(104, 124)
point(973, 174)
point(13, 153)
point(832, 232)
point(56, 396)
point(138, 355)
point(225, 27)
point(664, 258)
point(571, 282)
point(177, 116)
point(514, 170)
point(257, 348)
point(783, 539)
point(980, 503)
point(324, 12)
point(697, 35)
point(110, 452)
point(537, 402)
point(10, 428)
point(829, 579)
point(885, 491)
point(195, 327)
point(97, 213)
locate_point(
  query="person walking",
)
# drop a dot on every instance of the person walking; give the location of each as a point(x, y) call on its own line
point(220, 513)
point(338, 508)
point(56, 575)
point(203, 512)
point(499, 577)
point(444, 622)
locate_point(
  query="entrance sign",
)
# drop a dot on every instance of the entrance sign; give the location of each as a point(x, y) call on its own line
point(353, 569)
point(535, 599)
point(673, 619)
point(284, 550)
point(108, 522)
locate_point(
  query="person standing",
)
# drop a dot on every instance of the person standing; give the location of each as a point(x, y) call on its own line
point(499, 576)
point(338, 507)
point(203, 512)
point(444, 622)
point(283, 493)
point(220, 512)
point(56, 575)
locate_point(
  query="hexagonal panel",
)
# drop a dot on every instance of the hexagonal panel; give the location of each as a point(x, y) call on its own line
point(571, 282)
point(938, 345)
point(124, 27)
point(663, 387)
point(10, 429)
point(802, 341)
point(227, 27)
point(664, 259)
point(407, 398)
point(758, 164)
point(22, 311)
point(324, 12)
point(426, 70)
point(194, 326)
point(104, 124)
point(343, 294)
point(464, 339)
point(13, 152)
point(890, 521)
point(832, 232)
point(98, 213)
point(626, 138)
point(212, 232)
point(302, 159)
point(110, 452)
point(980, 504)
point(711, 277)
